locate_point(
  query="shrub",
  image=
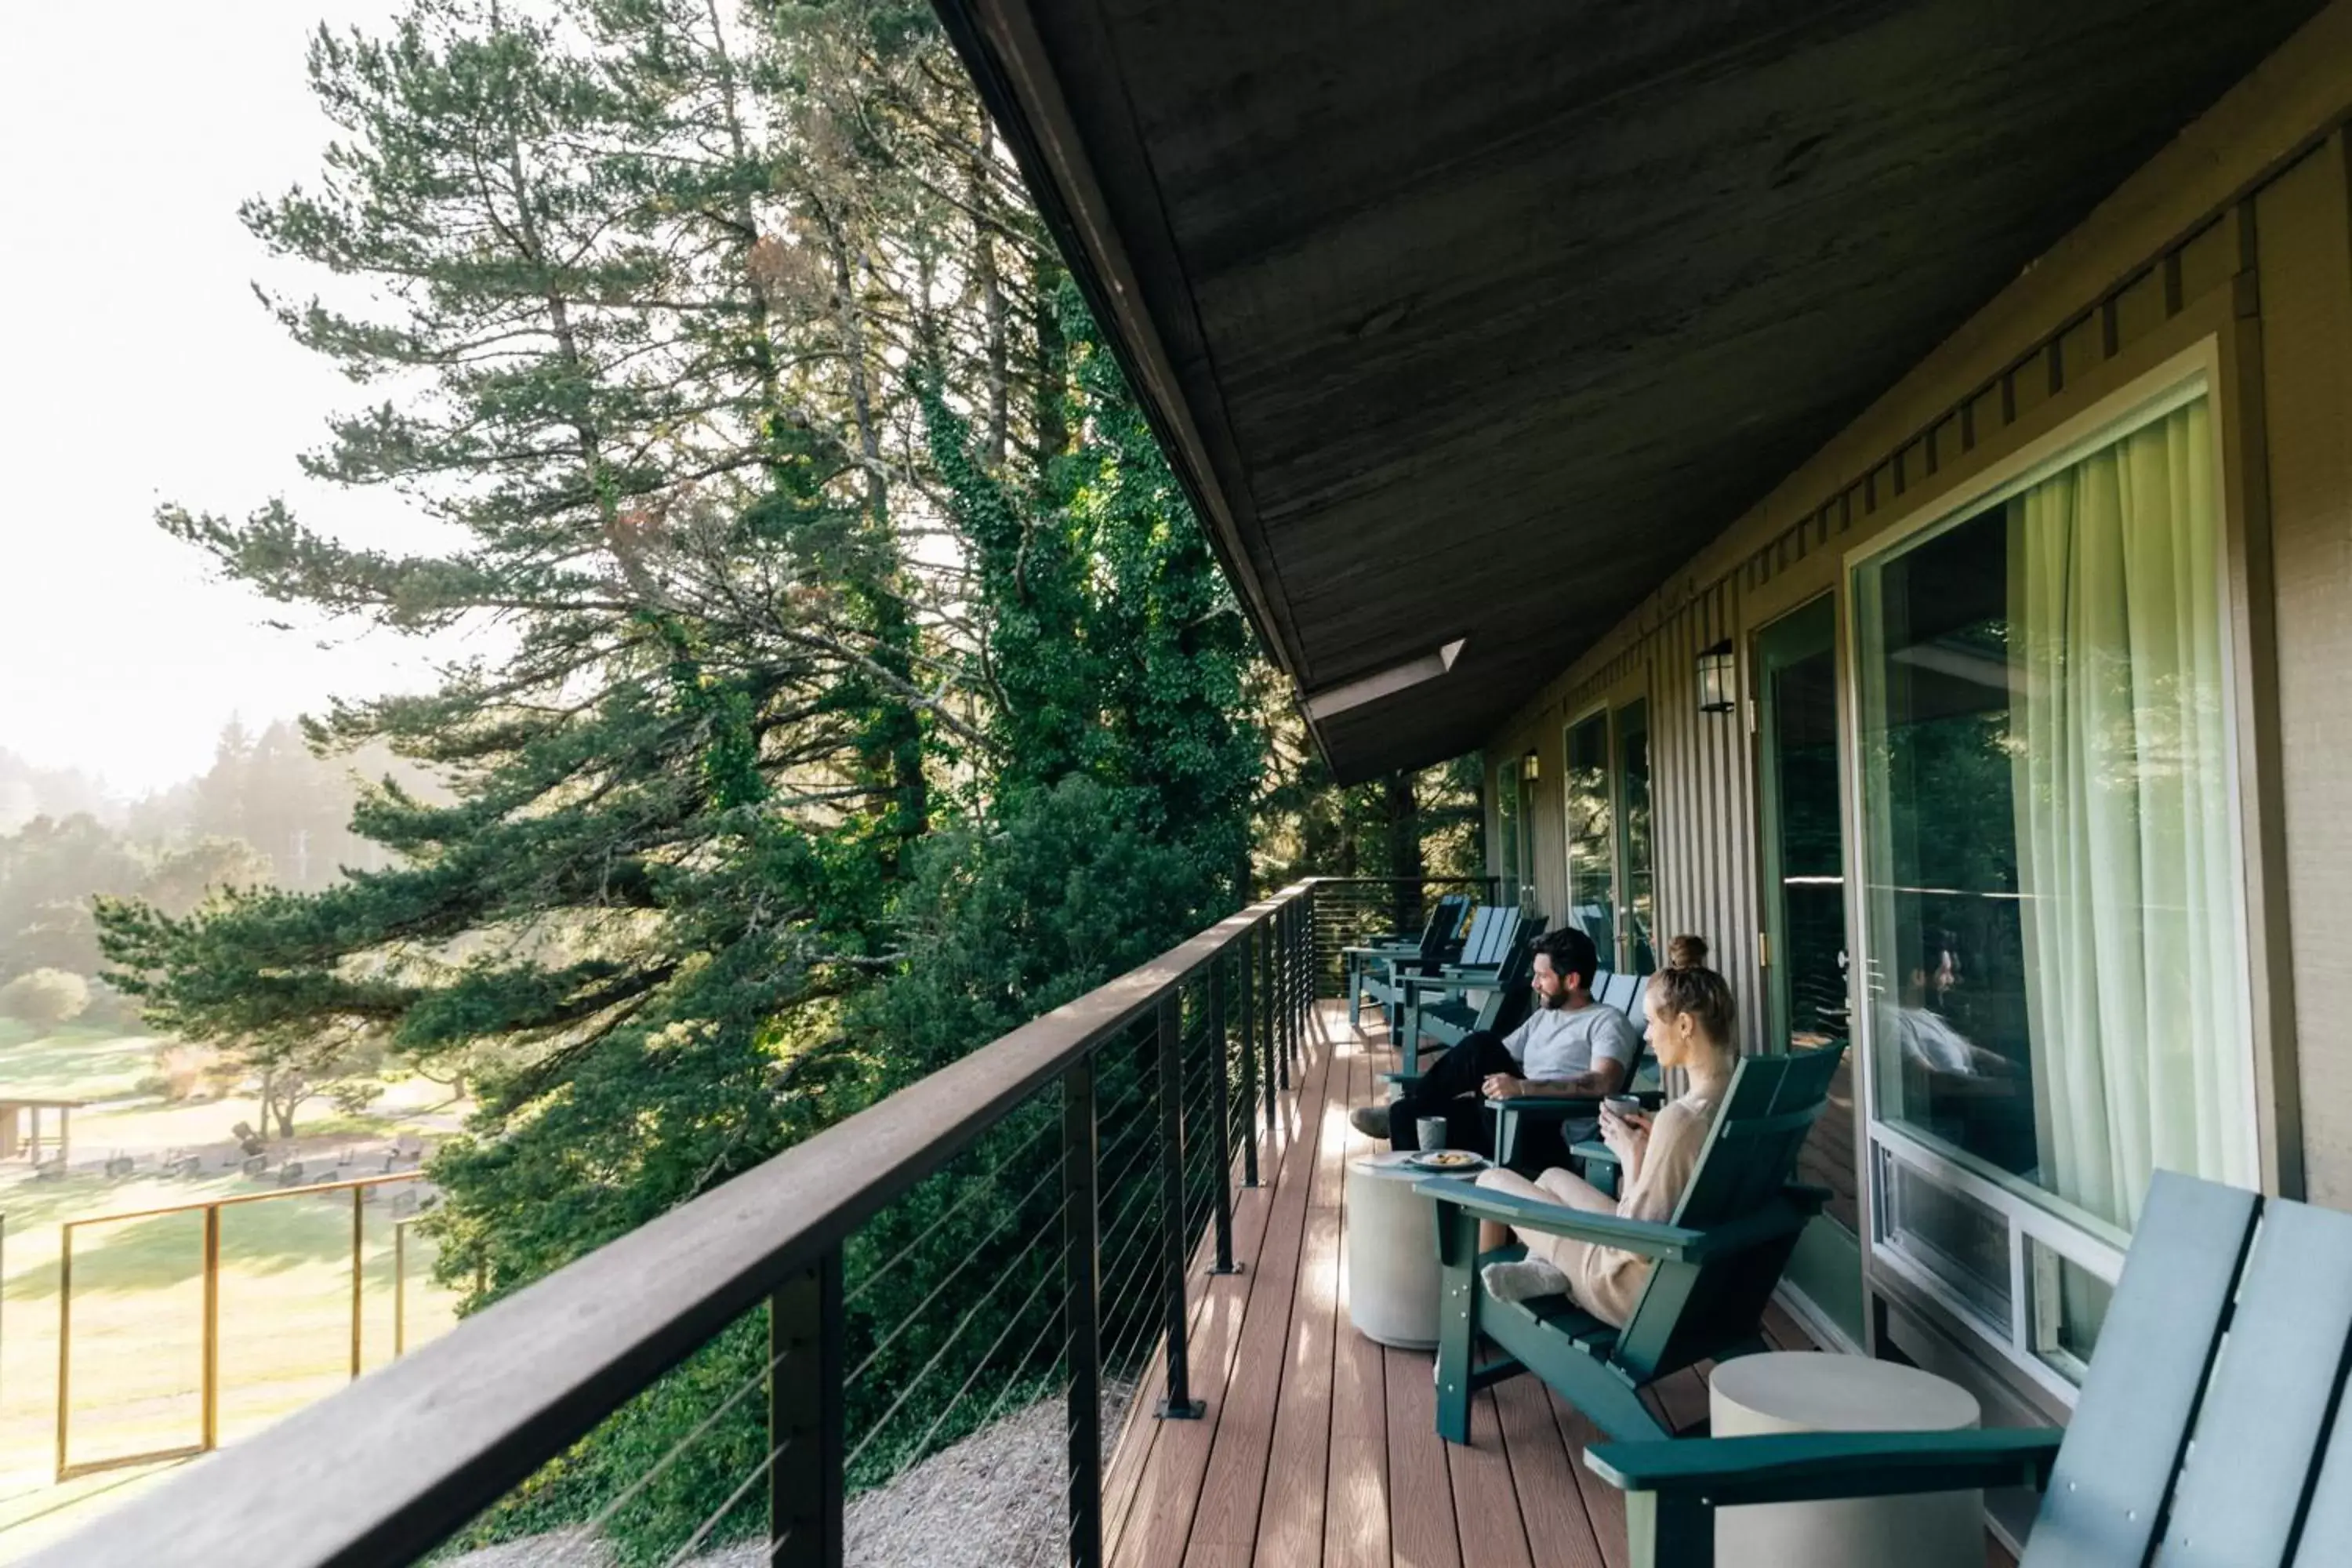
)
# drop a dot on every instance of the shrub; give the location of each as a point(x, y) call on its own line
point(181, 1069)
point(45, 998)
point(111, 1009)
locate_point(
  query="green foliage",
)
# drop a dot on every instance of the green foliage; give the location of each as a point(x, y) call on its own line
point(48, 870)
point(45, 998)
point(855, 711)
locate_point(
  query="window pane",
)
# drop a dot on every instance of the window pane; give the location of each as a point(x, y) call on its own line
point(1591, 844)
point(1634, 792)
point(2059, 977)
point(2070, 1304)
point(1507, 829)
point(1953, 1237)
point(1805, 862)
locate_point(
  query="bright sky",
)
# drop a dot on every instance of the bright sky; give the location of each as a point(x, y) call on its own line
point(139, 368)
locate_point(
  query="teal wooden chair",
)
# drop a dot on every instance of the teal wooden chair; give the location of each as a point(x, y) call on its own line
point(1438, 1010)
point(2210, 1429)
point(1494, 929)
point(1506, 929)
point(1514, 1118)
point(1715, 1263)
point(1428, 953)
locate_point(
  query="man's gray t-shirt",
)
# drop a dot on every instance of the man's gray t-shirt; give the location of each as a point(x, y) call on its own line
point(1557, 1043)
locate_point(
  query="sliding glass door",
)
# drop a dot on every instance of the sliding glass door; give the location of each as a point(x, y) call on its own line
point(2052, 902)
point(1805, 948)
point(1591, 834)
point(1637, 928)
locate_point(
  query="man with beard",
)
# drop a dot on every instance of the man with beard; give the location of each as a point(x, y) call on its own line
point(1569, 1047)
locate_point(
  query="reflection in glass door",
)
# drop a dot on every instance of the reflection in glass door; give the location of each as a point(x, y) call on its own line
point(1591, 835)
point(1507, 830)
point(1637, 944)
point(1803, 845)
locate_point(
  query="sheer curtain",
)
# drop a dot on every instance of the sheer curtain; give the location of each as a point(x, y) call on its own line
point(2135, 989)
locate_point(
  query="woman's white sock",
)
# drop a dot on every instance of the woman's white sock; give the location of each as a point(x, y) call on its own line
point(1524, 1280)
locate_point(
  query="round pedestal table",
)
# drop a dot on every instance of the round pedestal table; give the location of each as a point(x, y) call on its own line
point(1759, 1395)
point(1392, 1251)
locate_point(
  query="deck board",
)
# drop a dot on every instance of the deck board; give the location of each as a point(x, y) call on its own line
point(1552, 1504)
point(1318, 1449)
point(1355, 1495)
point(1158, 1522)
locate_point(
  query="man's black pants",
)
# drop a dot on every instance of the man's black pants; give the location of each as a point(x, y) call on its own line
point(1450, 1088)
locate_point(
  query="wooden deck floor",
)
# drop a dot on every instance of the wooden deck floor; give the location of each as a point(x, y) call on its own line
point(1318, 1446)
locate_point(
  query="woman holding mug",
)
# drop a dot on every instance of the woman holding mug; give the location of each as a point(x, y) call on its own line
point(1691, 1027)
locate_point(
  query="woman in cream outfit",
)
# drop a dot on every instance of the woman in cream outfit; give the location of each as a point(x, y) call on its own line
point(1691, 1028)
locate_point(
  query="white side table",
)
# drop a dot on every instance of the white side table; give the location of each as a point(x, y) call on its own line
point(1758, 1395)
point(1392, 1274)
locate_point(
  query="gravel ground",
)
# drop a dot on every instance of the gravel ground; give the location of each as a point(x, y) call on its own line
point(993, 1500)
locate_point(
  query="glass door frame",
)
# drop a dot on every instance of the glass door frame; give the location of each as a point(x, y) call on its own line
point(2035, 1218)
point(1830, 1269)
point(1771, 921)
point(1610, 707)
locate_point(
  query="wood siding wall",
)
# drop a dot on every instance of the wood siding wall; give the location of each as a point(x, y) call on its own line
point(2244, 221)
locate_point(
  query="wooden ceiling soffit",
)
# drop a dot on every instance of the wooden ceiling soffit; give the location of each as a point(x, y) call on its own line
point(1169, 368)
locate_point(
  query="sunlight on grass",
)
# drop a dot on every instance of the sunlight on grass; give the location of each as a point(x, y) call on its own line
point(137, 1305)
point(74, 1063)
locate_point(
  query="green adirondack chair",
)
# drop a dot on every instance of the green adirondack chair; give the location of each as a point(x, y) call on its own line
point(1437, 1007)
point(2231, 1327)
point(1457, 903)
point(1426, 955)
point(1716, 1263)
point(1494, 929)
point(1513, 1116)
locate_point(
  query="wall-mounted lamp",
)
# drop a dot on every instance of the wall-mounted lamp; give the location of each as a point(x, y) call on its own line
point(1530, 767)
point(1718, 678)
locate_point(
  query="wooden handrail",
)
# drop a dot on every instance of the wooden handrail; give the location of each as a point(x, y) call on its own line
point(384, 1471)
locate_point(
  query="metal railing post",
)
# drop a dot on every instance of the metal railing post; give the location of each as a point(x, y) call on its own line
point(806, 1418)
point(1180, 1405)
point(1246, 971)
point(1081, 1303)
point(1314, 954)
point(1222, 1111)
point(1277, 1065)
point(1290, 993)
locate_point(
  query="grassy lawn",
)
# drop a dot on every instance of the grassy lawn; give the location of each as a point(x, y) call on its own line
point(73, 1062)
point(137, 1303)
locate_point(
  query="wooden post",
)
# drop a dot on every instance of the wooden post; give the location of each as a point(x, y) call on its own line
point(399, 1289)
point(65, 1332)
point(1082, 1304)
point(805, 1419)
point(359, 1275)
point(209, 1391)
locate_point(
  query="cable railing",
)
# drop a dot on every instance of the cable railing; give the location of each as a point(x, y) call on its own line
point(1348, 909)
point(1007, 1253)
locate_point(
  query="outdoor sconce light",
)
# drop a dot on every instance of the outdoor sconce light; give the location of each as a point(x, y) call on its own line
point(1530, 767)
point(1718, 678)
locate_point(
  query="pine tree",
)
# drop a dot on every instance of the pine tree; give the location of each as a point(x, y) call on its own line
point(680, 800)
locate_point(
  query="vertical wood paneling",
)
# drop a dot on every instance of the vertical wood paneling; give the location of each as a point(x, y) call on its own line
point(2305, 266)
point(1702, 795)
